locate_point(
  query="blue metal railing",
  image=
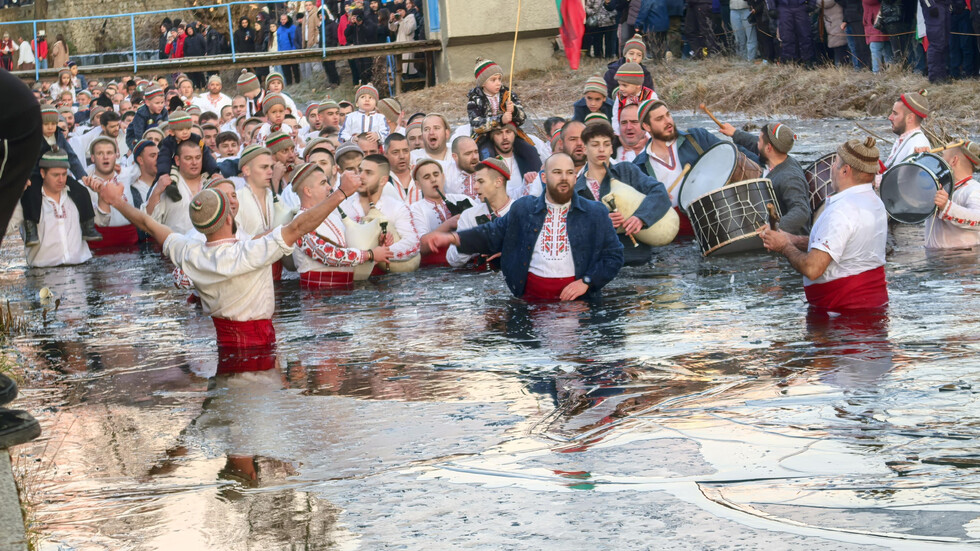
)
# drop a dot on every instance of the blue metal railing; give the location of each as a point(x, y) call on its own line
point(432, 11)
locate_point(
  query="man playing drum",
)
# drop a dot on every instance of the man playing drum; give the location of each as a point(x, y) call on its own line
point(773, 145)
point(957, 223)
point(906, 119)
point(595, 180)
point(670, 149)
point(843, 261)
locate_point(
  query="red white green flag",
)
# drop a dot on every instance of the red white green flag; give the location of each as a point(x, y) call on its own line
point(571, 19)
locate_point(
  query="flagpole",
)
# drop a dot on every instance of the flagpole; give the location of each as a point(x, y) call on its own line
point(513, 52)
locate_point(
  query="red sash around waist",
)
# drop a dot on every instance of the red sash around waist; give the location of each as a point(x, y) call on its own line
point(341, 279)
point(685, 228)
point(244, 334)
point(115, 236)
point(435, 259)
point(544, 288)
point(863, 291)
point(277, 271)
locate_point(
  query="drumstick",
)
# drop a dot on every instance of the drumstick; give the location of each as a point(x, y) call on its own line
point(611, 202)
point(947, 146)
point(773, 216)
point(707, 111)
point(872, 134)
point(683, 173)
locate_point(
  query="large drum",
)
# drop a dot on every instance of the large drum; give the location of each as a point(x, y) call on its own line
point(725, 221)
point(909, 188)
point(818, 180)
point(720, 165)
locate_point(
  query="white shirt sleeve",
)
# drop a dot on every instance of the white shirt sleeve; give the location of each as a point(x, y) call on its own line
point(831, 236)
point(408, 244)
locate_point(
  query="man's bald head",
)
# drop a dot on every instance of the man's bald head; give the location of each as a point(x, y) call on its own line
point(560, 158)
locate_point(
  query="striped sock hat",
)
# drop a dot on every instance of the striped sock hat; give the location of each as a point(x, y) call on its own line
point(250, 153)
point(861, 156)
point(311, 110)
point(646, 107)
point(630, 73)
point(780, 136)
point(302, 173)
point(208, 210)
point(316, 144)
point(327, 104)
point(49, 114)
point(596, 84)
point(278, 141)
point(55, 158)
point(635, 43)
point(367, 89)
point(247, 82)
point(180, 120)
point(272, 99)
point(497, 164)
point(485, 69)
point(274, 75)
point(390, 108)
point(151, 92)
point(593, 118)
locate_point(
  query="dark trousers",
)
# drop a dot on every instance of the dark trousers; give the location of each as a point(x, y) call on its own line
point(961, 47)
point(767, 43)
point(32, 202)
point(901, 54)
point(937, 20)
point(20, 142)
point(795, 34)
point(699, 30)
point(600, 41)
point(330, 68)
point(290, 73)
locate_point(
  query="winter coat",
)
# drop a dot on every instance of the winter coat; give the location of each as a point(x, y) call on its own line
point(244, 38)
point(194, 44)
point(175, 49)
point(59, 55)
point(610, 76)
point(871, 9)
point(581, 109)
point(478, 110)
point(404, 29)
point(833, 16)
point(891, 12)
point(597, 16)
point(365, 33)
point(216, 42)
point(311, 30)
point(853, 11)
point(286, 37)
point(143, 121)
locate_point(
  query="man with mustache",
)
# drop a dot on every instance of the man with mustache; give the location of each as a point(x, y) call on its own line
point(670, 149)
point(558, 246)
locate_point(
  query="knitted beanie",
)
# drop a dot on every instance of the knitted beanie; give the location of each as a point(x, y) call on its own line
point(141, 145)
point(217, 181)
point(279, 141)
point(630, 73)
point(484, 70)
point(367, 89)
point(861, 156)
point(416, 124)
point(596, 117)
point(316, 144)
point(248, 82)
point(49, 114)
point(635, 43)
point(208, 210)
point(214, 78)
point(347, 147)
point(84, 92)
point(250, 153)
point(972, 152)
point(274, 75)
point(390, 108)
point(55, 158)
point(780, 136)
point(193, 110)
point(916, 102)
point(155, 130)
point(102, 139)
point(65, 71)
point(596, 84)
point(423, 162)
point(646, 107)
point(65, 110)
point(327, 104)
point(151, 92)
point(311, 110)
point(272, 99)
point(498, 164)
point(302, 172)
point(180, 120)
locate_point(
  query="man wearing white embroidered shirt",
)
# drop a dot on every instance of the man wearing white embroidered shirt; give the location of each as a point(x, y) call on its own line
point(435, 139)
point(843, 260)
point(957, 223)
point(59, 232)
point(115, 229)
point(141, 175)
point(232, 276)
point(172, 211)
point(322, 256)
point(401, 185)
point(433, 213)
point(373, 172)
point(466, 159)
point(906, 120)
point(558, 246)
point(491, 188)
point(213, 100)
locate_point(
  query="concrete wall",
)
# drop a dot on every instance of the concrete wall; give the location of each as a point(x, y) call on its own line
point(471, 29)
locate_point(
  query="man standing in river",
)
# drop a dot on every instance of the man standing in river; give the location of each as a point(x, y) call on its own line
point(232, 276)
point(558, 246)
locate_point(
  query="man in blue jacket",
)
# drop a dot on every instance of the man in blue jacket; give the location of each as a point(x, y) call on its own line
point(594, 183)
point(558, 246)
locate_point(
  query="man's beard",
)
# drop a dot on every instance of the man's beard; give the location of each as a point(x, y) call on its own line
point(561, 198)
point(898, 128)
point(666, 137)
point(501, 151)
point(763, 158)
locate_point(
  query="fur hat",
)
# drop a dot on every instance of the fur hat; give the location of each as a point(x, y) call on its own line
point(635, 43)
point(916, 102)
point(495, 163)
point(247, 82)
point(596, 84)
point(208, 210)
point(484, 70)
point(250, 153)
point(279, 141)
point(630, 73)
point(861, 156)
point(780, 136)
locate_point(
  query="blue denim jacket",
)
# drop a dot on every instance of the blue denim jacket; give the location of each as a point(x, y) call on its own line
point(596, 251)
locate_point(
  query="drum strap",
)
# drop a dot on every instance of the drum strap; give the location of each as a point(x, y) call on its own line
point(694, 144)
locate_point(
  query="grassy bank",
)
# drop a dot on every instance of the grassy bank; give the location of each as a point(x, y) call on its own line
point(727, 86)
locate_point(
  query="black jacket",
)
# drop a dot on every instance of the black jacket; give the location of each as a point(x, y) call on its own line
point(168, 147)
point(194, 44)
point(365, 33)
point(244, 39)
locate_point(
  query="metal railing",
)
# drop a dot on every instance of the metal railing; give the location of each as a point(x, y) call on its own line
point(432, 15)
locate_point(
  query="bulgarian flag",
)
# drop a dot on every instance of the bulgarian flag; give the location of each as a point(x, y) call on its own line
point(571, 20)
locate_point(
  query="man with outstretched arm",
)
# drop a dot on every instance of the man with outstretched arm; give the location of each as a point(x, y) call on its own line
point(558, 246)
point(232, 276)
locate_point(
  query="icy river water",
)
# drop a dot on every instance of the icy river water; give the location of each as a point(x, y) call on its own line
point(696, 407)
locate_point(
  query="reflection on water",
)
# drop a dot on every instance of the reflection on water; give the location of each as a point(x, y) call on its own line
point(697, 404)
